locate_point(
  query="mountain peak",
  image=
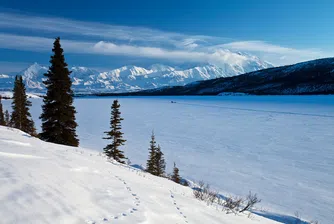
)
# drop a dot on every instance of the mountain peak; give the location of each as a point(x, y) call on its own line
point(35, 66)
point(161, 67)
point(132, 78)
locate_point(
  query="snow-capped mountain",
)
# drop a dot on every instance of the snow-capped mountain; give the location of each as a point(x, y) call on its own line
point(311, 77)
point(134, 78)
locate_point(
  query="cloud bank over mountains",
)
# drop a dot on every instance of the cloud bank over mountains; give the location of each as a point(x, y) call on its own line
point(37, 34)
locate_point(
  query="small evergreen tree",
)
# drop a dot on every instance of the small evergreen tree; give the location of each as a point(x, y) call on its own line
point(2, 117)
point(160, 162)
point(58, 117)
point(21, 117)
point(112, 150)
point(176, 177)
point(151, 163)
point(7, 118)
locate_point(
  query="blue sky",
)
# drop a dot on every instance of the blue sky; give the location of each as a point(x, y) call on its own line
point(109, 34)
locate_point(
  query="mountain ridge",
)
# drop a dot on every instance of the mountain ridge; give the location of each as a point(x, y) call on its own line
point(311, 77)
point(133, 78)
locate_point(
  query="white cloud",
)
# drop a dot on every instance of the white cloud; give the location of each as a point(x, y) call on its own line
point(277, 54)
point(105, 31)
point(140, 41)
point(262, 46)
point(40, 44)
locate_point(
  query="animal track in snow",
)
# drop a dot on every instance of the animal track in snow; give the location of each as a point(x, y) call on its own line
point(177, 207)
point(136, 199)
point(113, 218)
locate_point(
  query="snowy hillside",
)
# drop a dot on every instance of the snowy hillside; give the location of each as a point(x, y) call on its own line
point(48, 183)
point(133, 78)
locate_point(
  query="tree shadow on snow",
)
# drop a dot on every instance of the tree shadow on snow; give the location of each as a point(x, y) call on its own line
point(280, 218)
point(27, 135)
point(136, 166)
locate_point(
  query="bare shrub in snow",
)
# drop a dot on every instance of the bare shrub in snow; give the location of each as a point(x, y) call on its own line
point(232, 204)
point(204, 193)
point(314, 222)
point(128, 162)
point(212, 196)
point(250, 201)
point(198, 191)
point(298, 217)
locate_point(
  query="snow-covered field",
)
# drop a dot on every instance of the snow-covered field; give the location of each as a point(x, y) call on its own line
point(281, 147)
point(47, 183)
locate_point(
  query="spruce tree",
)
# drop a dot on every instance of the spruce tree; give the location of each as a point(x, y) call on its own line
point(151, 163)
point(176, 177)
point(58, 117)
point(2, 117)
point(16, 115)
point(21, 117)
point(112, 150)
point(7, 118)
point(160, 162)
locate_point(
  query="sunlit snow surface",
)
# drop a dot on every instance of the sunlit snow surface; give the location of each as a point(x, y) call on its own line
point(47, 183)
point(281, 147)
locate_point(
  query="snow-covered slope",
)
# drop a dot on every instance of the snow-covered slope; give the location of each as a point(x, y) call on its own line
point(134, 78)
point(48, 183)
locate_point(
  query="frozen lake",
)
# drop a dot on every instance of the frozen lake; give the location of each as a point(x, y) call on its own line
point(281, 147)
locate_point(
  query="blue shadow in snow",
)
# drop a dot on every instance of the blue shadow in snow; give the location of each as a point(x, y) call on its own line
point(280, 218)
point(136, 166)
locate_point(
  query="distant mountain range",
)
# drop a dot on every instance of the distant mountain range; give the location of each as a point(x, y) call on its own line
point(134, 78)
point(312, 77)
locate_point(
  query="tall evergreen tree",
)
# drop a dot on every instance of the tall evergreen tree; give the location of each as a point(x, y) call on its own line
point(160, 162)
point(58, 117)
point(112, 150)
point(21, 117)
point(176, 177)
point(7, 118)
point(151, 163)
point(2, 117)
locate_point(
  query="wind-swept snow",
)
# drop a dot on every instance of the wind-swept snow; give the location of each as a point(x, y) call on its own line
point(47, 183)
